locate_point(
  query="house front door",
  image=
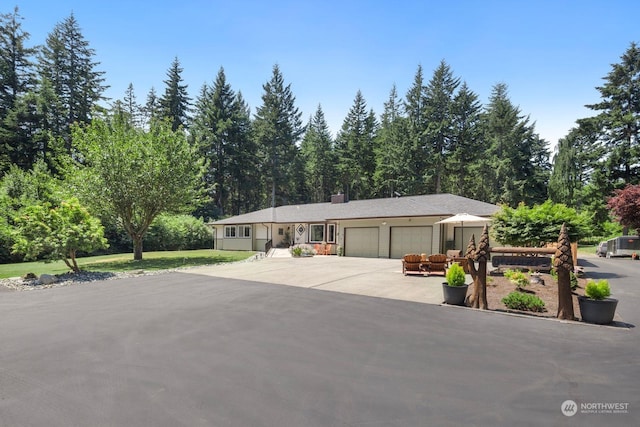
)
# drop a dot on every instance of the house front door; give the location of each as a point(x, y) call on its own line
point(300, 231)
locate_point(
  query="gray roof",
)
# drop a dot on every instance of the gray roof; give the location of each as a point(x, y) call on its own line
point(436, 205)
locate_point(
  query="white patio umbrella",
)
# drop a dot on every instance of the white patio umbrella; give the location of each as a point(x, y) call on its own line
point(461, 218)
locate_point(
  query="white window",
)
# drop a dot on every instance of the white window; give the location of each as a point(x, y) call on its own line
point(331, 233)
point(229, 231)
point(245, 231)
point(316, 233)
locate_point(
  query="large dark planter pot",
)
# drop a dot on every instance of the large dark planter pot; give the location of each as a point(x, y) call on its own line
point(454, 295)
point(600, 312)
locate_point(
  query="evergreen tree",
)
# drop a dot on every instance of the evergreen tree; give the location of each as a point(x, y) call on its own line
point(516, 167)
point(220, 129)
point(67, 64)
point(151, 109)
point(174, 104)
point(131, 106)
point(17, 103)
point(439, 105)
point(415, 108)
point(244, 173)
point(319, 158)
point(278, 128)
point(393, 175)
point(580, 177)
point(620, 116)
point(355, 151)
point(467, 143)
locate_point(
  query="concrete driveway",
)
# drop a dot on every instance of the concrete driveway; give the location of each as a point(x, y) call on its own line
point(359, 276)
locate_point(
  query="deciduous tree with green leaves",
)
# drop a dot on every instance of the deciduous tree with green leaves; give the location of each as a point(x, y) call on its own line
point(58, 232)
point(135, 174)
point(537, 225)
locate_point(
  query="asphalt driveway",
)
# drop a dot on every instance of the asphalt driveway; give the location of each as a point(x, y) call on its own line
point(185, 349)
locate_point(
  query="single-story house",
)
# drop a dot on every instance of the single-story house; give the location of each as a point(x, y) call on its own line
point(375, 228)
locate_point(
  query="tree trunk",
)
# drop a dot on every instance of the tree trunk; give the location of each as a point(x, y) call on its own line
point(137, 248)
point(565, 299)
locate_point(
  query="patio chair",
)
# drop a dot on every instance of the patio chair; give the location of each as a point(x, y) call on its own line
point(319, 249)
point(437, 264)
point(327, 249)
point(411, 264)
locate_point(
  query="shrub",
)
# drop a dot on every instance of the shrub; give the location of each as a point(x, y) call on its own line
point(521, 301)
point(455, 275)
point(598, 290)
point(517, 277)
point(302, 250)
point(177, 232)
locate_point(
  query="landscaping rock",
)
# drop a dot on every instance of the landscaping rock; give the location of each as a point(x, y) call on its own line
point(48, 279)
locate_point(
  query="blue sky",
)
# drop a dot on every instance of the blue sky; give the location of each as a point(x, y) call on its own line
point(551, 54)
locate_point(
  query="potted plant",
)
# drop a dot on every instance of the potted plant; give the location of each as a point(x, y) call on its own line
point(454, 289)
point(596, 306)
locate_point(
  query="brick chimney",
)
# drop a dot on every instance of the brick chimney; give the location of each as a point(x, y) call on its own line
point(338, 198)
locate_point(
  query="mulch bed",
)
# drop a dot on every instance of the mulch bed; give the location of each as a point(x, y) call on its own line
point(499, 287)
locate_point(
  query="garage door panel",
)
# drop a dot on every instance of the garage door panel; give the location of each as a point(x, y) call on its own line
point(362, 242)
point(410, 240)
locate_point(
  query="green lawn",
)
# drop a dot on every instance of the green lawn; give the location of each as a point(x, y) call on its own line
point(125, 262)
point(587, 249)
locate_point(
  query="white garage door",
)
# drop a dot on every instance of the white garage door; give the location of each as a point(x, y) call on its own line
point(410, 240)
point(361, 242)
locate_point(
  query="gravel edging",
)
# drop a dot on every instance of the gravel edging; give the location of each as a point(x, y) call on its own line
point(68, 279)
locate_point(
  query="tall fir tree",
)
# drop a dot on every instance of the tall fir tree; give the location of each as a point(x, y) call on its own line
point(67, 64)
point(393, 174)
point(278, 128)
point(18, 123)
point(317, 150)
point(516, 165)
point(244, 171)
point(439, 98)
point(580, 177)
point(415, 109)
point(220, 129)
point(620, 116)
point(131, 106)
point(151, 108)
point(467, 143)
point(175, 102)
point(355, 151)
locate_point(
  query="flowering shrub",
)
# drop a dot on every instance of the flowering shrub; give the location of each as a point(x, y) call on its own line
point(302, 250)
